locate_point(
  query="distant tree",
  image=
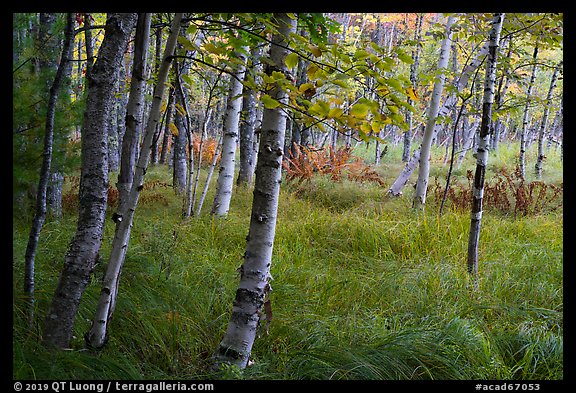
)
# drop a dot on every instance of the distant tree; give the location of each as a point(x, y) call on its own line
point(541, 134)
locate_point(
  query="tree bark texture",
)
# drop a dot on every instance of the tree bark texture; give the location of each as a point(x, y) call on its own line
point(483, 147)
point(225, 182)
point(424, 163)
point(96, 337)
point(236, 345)
point(83, 251)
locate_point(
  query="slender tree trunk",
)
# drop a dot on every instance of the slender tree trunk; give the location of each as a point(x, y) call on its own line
point(82, 254)
point(524, 128)
point(96, 337)
point(134, 110)
point(414, 79)
point(424, 163)
point(402, 179)
point(483, 147)
point(247, 152)
point(40, 215)
point(209, 177)
point(540, 159)
point(180, 165)
point(167, 133)
point(225, 181)
point(254, 287)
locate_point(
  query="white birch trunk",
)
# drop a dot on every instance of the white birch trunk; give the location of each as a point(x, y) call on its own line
point(236, 345)
point(523, 131)
point(402, 179)
point(424, 163)
point(225, 182)
point(96, 337)
point(540, 159)
point(483, 148)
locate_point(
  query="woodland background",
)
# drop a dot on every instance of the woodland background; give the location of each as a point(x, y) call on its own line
point(352, 149)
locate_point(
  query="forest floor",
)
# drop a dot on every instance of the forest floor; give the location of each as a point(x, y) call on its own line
point(364, 287)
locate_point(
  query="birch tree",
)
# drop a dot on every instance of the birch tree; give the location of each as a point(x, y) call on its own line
point(396, 187)
point(523, 130)
point(254, 287)
point(225, 182)
point(96, 336)
point(41, 199)
point(547, 103)
point(83, 251)
point(134, 110)
point(483, 147)
point(424, 165)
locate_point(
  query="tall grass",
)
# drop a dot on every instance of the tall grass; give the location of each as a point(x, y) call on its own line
point(364, 288)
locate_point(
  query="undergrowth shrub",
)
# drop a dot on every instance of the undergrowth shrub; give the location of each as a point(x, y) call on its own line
point(309, 161)
point(506, 192)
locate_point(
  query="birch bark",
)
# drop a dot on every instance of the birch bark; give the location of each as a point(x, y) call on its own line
point(424, 163)
point(134, 110)
point(540, 159)
point(524, 128)
point(236, 345)
point(83, 250)
point(483, 147)
point(96, 336)
point(225, 182)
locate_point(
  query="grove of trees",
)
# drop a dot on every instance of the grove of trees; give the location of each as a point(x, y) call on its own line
point(255, 99)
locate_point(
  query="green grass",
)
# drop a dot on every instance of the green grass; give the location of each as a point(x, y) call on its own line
point(364, 288)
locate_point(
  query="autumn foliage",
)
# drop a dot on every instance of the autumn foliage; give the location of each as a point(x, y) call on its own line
point(506, 193)
point(307, 161)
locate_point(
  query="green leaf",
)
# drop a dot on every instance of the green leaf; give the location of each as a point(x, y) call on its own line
point(359, 110)
point(269, 102)
point(361, 54)
point(291, 60)
point(403, 56)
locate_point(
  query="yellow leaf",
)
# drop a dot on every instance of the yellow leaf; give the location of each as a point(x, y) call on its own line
point(291, 60)
point(366, 128)
point(335, 113)
point(315, 50)
point(173, 129)
point(359, 110)
point(412, 94)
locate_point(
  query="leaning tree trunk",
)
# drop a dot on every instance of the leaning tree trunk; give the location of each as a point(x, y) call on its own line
point(540, 159)
point(45, 175)
point(225, 182)
point(396, 187)
point(424, 167)
point(83, 251)
point(483, 147)
point(96, 337)
point(254, 287)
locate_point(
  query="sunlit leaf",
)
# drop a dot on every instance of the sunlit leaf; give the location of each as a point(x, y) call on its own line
point(269, 102)
point(359, 110)
point(291, 60)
